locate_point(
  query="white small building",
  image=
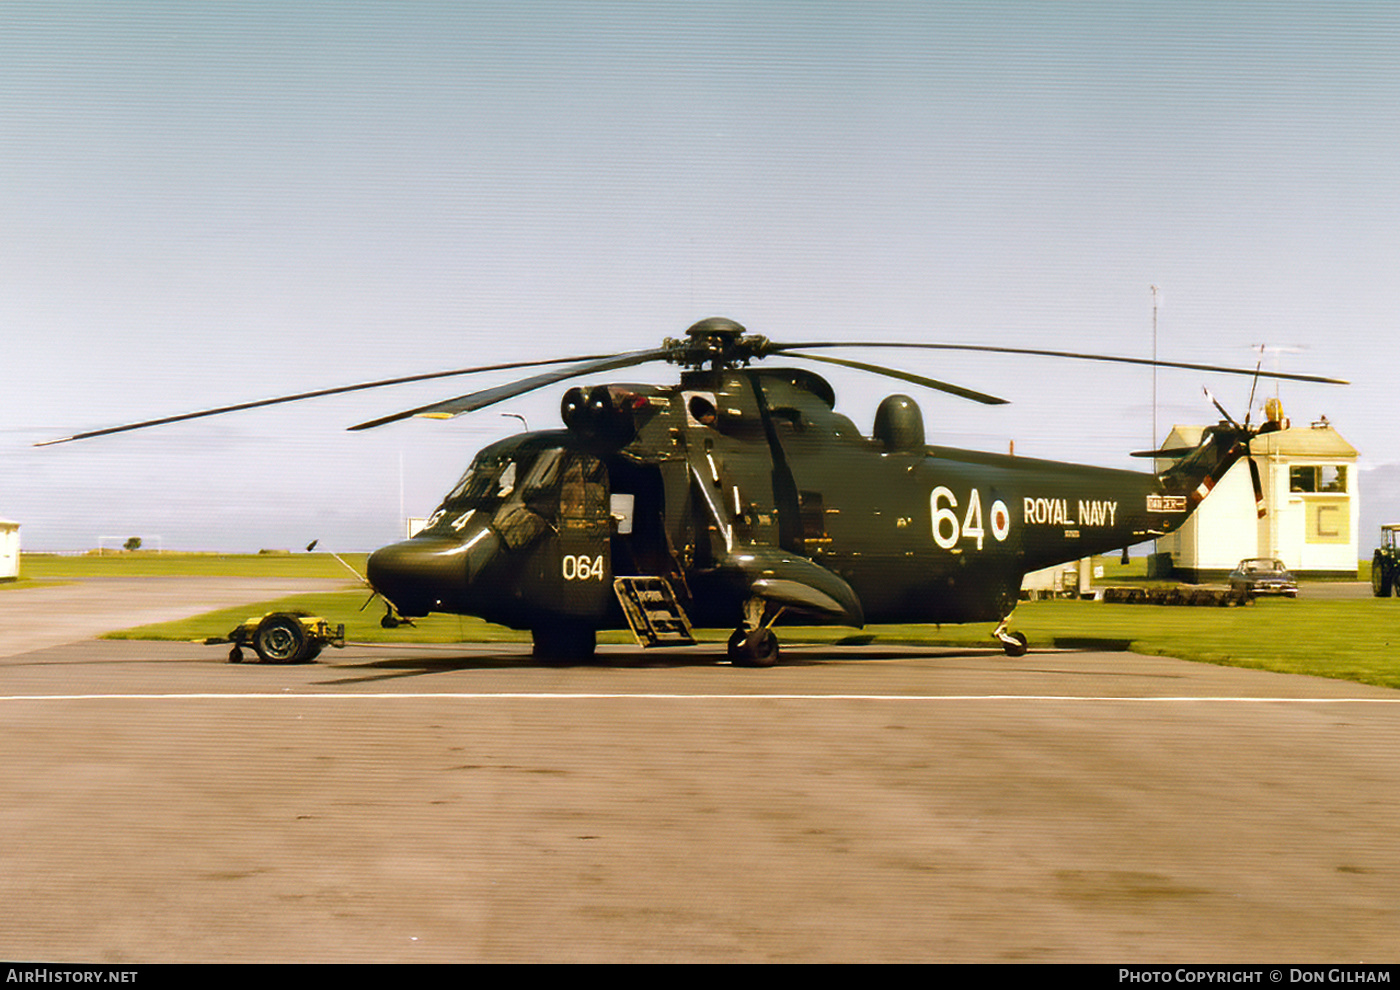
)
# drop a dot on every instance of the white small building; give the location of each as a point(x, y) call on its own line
point(1308, 475)
point(9, 550)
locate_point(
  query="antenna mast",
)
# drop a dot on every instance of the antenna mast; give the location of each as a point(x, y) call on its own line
point(1156, 299)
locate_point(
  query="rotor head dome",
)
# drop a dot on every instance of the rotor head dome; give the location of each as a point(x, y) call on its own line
point(716, 326)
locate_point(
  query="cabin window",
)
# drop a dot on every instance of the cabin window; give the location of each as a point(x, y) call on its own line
point(583, 497)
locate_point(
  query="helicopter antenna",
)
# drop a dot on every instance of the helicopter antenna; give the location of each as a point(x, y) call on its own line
point(1275, 350)
point(1156, 302)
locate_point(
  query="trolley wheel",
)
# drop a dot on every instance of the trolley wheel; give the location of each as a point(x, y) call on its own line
point(280, 639)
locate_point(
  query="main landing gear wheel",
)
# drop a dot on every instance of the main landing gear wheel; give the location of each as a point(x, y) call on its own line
point(756, 649)
point(392, 619)
point(280, 639)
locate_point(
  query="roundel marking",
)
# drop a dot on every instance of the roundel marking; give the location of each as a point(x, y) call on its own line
point(1001, 520)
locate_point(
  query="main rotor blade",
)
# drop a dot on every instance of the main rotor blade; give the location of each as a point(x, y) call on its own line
point(785, 348)
point(490, 396)
point(933, 383)
point(1165, 452)
point(237, 407)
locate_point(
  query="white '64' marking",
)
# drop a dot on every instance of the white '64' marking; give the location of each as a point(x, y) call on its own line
point(947, 530)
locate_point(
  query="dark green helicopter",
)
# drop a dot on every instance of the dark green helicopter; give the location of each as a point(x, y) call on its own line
point(740, 496)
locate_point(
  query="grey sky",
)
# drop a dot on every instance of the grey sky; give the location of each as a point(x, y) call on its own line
point(210, 203)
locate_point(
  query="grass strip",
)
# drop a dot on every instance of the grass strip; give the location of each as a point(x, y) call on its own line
point(1352, 639)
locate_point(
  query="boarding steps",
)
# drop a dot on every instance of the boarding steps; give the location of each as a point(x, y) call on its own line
point(653, 612)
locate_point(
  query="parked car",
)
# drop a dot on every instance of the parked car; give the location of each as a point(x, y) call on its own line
point(1263, 576)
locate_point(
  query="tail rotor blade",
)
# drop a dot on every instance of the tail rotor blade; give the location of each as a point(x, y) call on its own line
point(1216, 403)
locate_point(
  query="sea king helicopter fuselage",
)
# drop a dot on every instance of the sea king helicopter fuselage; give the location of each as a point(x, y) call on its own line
point(741, 497)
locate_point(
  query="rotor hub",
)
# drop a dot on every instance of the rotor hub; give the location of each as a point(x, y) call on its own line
point(716, 326)
point(720, 341)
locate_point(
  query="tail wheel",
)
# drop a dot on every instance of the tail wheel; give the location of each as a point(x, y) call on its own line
point(1016, 649)
point(280, 639)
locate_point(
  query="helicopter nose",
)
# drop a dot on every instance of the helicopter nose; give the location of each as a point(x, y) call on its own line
point(431, 573)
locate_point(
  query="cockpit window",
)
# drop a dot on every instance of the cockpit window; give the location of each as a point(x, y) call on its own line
point(543, 476)
point(505, 481)
point(525, 493)
point(485, 483)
